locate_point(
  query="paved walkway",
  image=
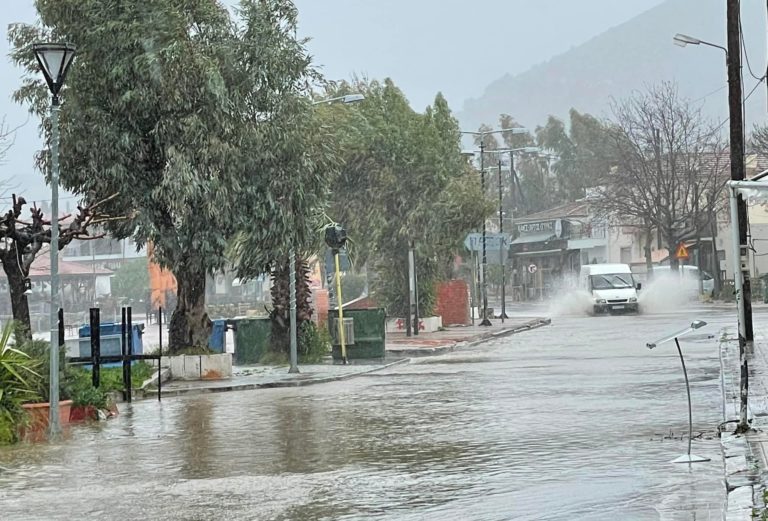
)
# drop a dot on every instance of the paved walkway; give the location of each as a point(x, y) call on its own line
point(398, 344)
point(399, 349)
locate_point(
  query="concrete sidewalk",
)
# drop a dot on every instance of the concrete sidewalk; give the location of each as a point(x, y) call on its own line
point(746, 456)
point(268, 377)
point(399, 349)
point(454, 337)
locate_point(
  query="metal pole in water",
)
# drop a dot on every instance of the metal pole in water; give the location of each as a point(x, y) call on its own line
point(340, 307)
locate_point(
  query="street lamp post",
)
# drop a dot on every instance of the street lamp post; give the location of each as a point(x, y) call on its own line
point(54, 60)
point(294, 368)
point(482, 135)
point(736, 120)
point(696, 324)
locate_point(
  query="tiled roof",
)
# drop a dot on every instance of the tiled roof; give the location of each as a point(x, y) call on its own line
point(41, 267)
point(575, 209)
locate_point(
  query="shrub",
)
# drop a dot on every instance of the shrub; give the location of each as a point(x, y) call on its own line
point(314, 343)
point(19, 383)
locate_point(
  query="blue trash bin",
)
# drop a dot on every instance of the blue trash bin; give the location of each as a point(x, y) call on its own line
point(111, 340)
point(218, 338)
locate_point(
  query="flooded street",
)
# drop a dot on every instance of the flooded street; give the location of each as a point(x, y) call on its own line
point(570, 421)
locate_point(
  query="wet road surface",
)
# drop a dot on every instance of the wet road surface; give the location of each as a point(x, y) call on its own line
point(570, 421)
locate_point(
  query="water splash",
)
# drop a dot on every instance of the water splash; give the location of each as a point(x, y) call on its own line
point(666, 292)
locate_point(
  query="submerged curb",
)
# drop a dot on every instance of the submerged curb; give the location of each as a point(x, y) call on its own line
point(292, 382)
point(485, 337)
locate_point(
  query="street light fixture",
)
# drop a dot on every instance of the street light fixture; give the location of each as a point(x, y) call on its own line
point(294, 368)
point(696, 324)
point(481, 135)
point(681, 40)
point(54, 60)
point(347, 98)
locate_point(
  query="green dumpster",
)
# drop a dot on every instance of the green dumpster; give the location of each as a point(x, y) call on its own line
point(252, 337)
point(369, 333)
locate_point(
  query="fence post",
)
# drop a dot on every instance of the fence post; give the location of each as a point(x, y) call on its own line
point(61, 328)
point(128, 385)
point(126, 361)
point(160, 354)
point(95, 320)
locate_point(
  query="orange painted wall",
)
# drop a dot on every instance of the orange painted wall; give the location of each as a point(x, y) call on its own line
point(160, 280)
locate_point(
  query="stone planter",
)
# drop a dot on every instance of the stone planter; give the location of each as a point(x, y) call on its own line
point(83, 413)
point(201, 367)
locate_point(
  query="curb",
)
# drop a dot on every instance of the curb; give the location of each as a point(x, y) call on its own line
point(484, 337)
point(293, 382)
point(741, 462)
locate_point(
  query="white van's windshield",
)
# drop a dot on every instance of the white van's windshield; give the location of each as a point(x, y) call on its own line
point(612, 281)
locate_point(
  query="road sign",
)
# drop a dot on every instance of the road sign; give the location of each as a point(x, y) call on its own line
point(532, 268)
point(493, 241)
point(682, 252)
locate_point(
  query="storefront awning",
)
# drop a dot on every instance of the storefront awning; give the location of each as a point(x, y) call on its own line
point(539, 252)
point(536, 237)
point(585, 244)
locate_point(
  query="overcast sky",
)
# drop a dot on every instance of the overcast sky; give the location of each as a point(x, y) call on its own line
point(453, 46)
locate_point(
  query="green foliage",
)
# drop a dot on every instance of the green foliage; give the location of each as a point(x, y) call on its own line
point(38, 350)
point(402, 179)
point(352, 285)
point(111, 378)
point(274, 358)
point(199, 122)
point(131, 281)
point(19, 382)
point(314, 343)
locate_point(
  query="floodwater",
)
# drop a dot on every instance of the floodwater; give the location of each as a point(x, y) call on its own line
point(575, 421)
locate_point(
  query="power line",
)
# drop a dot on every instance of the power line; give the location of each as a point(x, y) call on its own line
point(726, 120)
point(746, 54)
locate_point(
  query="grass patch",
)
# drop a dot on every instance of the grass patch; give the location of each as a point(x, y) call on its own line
point(274, 358)
point(112, 377)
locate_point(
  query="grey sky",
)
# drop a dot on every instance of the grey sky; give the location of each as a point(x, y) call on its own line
point(454, 46)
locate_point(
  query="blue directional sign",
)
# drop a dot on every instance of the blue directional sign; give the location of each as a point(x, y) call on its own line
point(493, 241)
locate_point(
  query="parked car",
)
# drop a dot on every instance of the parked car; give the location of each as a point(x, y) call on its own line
point(690, 276)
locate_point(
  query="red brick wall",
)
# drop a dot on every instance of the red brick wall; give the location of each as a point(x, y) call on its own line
point(453, 302)
point(321, 302)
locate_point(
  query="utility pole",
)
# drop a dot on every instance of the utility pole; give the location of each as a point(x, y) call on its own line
point(485, 321)
point(502, 260)
point(735, 108)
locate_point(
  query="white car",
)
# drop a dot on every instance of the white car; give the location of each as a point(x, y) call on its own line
point(690, 276)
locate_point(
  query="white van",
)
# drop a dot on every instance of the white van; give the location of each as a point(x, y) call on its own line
point(610, 286)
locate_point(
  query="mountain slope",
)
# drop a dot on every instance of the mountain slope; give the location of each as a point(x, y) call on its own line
point(627, 57)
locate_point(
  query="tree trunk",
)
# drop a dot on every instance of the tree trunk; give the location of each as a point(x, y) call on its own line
point(190, 325)
point(281, 299)
point(647, 251)
point(19, 303)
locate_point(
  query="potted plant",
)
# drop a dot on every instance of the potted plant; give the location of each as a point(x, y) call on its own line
point(38, 410)
point(86, 399)
point(19, 380)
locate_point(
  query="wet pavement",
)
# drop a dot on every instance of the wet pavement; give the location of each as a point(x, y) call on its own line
point(577, 420)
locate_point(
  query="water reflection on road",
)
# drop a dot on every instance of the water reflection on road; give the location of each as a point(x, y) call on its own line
point(565, 422)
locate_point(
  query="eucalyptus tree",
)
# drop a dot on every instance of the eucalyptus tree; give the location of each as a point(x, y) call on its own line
point(402, 181)
point(197, 118)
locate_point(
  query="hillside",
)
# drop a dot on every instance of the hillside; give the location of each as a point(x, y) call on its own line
point(626, 58)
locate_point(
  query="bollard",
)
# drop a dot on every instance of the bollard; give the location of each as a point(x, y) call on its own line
point(95, 321)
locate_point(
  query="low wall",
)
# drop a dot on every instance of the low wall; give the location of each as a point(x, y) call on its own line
point(201, 367)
